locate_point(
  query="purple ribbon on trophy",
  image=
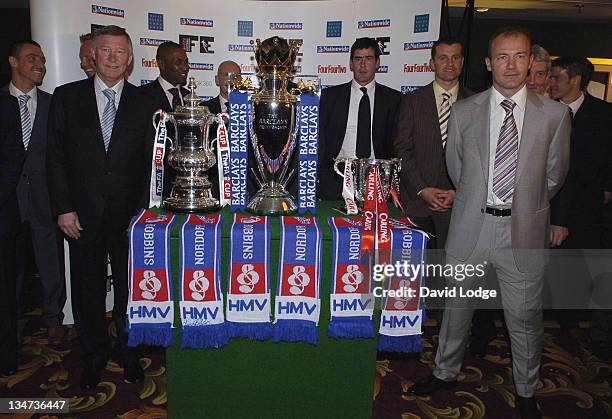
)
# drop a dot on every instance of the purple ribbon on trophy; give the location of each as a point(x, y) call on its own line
point(403, 314)
point(239, 115)
point(248, 291)
point(201, 298)
point(308, 126)
point(298, 300)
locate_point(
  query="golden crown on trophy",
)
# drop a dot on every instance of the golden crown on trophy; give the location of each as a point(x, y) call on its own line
point(276, 55)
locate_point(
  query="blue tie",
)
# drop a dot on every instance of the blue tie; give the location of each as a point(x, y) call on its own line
point(26, 120)
point(108, 117)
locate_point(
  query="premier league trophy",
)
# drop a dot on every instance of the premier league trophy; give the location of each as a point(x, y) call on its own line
point(190, 155)
point(273, 125)
point(359, 169)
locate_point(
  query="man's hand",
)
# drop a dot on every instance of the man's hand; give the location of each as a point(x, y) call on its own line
point(69, 224)
point(437, 199)
point(607, 197)
point(557, 235)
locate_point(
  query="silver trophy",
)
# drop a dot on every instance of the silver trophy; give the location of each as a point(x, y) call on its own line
point(273, 123)
point(359, 170)
point(190, 155)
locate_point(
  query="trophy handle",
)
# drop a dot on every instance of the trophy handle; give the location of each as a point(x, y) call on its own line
point(167, 117)
point(337, 169)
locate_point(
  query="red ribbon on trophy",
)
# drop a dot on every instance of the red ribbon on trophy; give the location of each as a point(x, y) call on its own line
point(375, 238)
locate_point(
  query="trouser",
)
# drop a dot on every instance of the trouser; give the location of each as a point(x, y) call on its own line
point(521, 300)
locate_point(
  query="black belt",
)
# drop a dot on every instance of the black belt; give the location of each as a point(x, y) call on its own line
point(496, 212)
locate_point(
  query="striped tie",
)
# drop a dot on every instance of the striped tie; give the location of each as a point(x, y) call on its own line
point(26, 120)
point(443, 115)
point(506, 155)
point(108, 117)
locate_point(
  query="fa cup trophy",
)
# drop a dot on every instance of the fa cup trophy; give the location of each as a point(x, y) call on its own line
point(273, 127)
point(190, 155)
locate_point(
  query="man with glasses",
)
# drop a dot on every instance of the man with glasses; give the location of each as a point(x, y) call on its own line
point(356, 118)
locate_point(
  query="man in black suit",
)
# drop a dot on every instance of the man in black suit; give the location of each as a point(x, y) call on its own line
point(167, 92)
point(12, 156)
point(98, 166)
point(356, 118)
point(578, 209)
point(27, 63)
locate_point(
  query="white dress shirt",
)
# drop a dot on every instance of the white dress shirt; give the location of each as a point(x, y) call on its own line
point(166, 86)
point(496, 119)
point(14, 91)
point(575, 105)
point(101, 99)
point(223, 103)
point(349, 145)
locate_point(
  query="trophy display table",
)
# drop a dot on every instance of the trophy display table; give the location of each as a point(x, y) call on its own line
point(265, 379)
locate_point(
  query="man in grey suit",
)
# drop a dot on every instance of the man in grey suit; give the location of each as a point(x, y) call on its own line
point(507, 155)
point(27, 63)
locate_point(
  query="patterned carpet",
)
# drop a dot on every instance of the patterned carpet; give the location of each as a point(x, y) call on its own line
point(571, 387)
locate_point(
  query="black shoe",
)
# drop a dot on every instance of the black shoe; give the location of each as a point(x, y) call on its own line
point(479, 344)
point(430, 385)
point(132, 371)
point(528, 407)
point(90, 377)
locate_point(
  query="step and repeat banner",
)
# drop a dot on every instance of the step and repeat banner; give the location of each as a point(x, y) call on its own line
point(214, 31)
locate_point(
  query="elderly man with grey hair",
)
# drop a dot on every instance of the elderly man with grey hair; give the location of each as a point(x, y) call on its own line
point(537, 80)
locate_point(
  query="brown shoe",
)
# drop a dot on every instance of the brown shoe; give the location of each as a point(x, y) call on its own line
point(55, 334)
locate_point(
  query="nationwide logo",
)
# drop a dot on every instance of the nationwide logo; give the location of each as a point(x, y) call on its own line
point(201, 66)
point(421, 23)
point(143, 82)
point(382, 44)
point(286, 26)
point(382, 69)
point(411, 46)
point(334, 29)
point(331, 69)
point(240, 48)
point(152, 63)
point(156, 22)
point(151, 42)
point(377, 23)
point(205, 42)
point(408, 89)
point(188, 21)
point(108, 11)
point(329, 49)
point(417, 68)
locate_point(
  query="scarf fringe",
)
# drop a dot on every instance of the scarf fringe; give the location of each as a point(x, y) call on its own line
point(295, 331)
point(152, 336)
point(350, 328)
point(197, 337)
point(405, 344)
point(251, 331)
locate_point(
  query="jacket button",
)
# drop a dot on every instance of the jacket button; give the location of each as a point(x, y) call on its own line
point(482, 210)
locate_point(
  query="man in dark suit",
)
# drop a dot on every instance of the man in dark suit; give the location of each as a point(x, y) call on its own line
point(98, 166)
point(219, 104)
point(578, 209)
point(356, 118)
point(27, 63)
point(12, 156)
point(167, 92)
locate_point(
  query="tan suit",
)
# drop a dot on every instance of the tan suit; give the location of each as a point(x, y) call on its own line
point(516, 245)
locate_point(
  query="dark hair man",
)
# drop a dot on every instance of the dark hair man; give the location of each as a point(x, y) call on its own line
point(356, 118)
point(504, 180)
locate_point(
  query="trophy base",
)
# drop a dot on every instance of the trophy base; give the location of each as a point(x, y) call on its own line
point(272, 199)
point(191, 195)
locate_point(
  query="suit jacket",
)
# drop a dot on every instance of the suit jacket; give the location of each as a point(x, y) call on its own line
point(82, 176)
point(155, 97)
point(12, 156)
point(418, 142)
point(580, 200)
point(334, 111)
point(32, 192)
point(543, 162)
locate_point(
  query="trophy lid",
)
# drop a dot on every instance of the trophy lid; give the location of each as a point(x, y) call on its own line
point(276, 55)
point(192, 107)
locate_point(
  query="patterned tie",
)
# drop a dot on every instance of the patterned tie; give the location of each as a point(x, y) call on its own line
point(506, 155)
point(443, 115)
point(176, 97)
point(364, 126)
point(26, 120)
point(108, 117)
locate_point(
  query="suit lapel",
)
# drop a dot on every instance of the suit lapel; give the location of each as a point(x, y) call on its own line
point(120, 116)
point(91, 112)
point(41, 107)
point(431, 112)
point(481, 130)
point(529, 133)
